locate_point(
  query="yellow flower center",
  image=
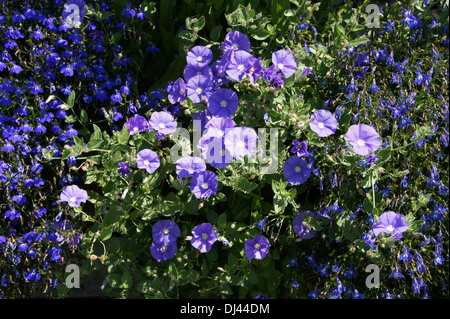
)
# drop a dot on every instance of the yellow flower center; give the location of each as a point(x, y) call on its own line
point(205, 185)
point(256, 246)
point(390, 228)
point(146, 162)
point(205, 236)
point(321, 125)
point(165, 231)
point(73, 199)
point(199, 59)
point(298, 169)
point(199, 90)
point(360, 142)
point(223, 103)
point(162, 125)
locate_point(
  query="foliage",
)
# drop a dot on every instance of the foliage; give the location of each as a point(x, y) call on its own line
point(392, 77)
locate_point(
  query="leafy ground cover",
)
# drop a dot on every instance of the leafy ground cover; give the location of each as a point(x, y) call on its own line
point(205, 149)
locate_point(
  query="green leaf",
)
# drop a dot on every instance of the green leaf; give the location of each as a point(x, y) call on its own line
point(71, 99)
point(215, 33)
point(84, 116)
point(260, 34)
point(126, 280)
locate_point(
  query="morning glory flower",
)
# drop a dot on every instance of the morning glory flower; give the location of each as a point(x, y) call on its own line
point(241, 142)
point(199, 56)
point(323, 123)
point(163, 122)
point(239, 62)
point(296, 170)
point(204, 237)
point(162, 252)
point(199, 88)
point(177, 92)
point(191, 70)
point(124, 169)
point(285, 62)
point(391, 222)
point(165, 232)
point(300, 148)
point(257, 248)
point(223, 102)
point(189, 165)
point(204, 184)
point(235, 41)
point(304, 231)
point(148, 160)
point(73, 195)
point(363, 138)
point(137, 124)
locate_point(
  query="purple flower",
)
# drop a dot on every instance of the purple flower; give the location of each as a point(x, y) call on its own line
point(137, 124)
point(257, 248)
point(192, 70)
point(296, 170)
point(323, 123)
point(204, 184)
point(124, 169)
point(363, 138)
point(162, 252)
point(199, 88)
point(204, 237)
point(304, 231)
point(165, 232)
point(285, 62)
point(391, 222)
point(188, 165)
point(241, 142)
point(239, 61)
point(177, 91)
point(73, 195)
point(148, 160)
point(235, 41)
point(301, 148)
point(199, 56)
point(223, 102)
point(163, 122)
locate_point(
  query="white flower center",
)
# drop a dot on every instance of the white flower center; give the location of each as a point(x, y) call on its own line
point(321, 125)
point(199, 90)
point(241, 144)
point(360, 142)
point(146, 162)
point(163, 248)
point(205, 236)
point(199, 59)
point(191, 171)
point(162, 125)
point(182, 91)
point(298, 169)
point(235, 46)
point(241, 67)
point(136, 129)
point(165, 231)
point(73, 199)
point(390, 228)
point(205, 185)
point(223, 103)
point(280, 66)
point(256, 246)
